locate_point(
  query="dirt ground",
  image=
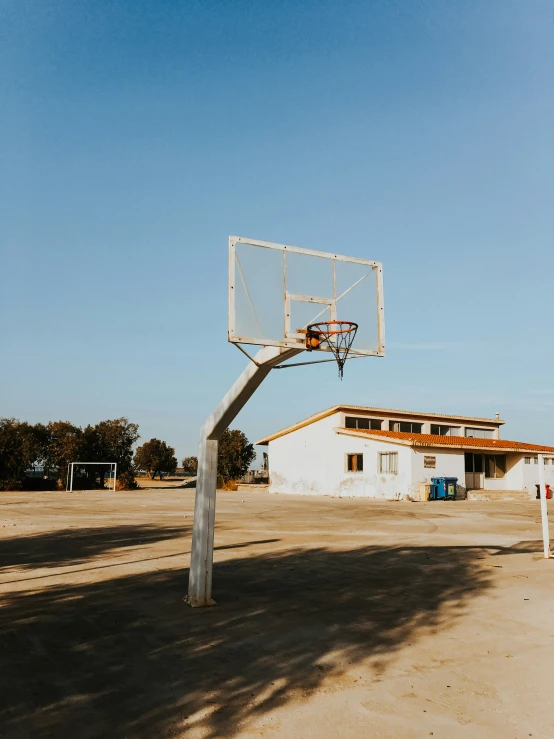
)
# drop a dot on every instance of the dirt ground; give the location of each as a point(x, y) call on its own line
point(335, 618)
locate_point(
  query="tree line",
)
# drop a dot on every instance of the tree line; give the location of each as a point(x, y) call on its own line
point(51, 447)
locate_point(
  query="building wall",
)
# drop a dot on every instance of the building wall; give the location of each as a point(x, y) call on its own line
point(530, 475)
point(312, 461)
point(512, 480)
point(519, 476)
point(449, 463)
point(299, 462)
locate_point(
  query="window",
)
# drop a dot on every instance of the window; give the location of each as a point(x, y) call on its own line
point(355, 462)
point(388, 463)
point(439, 430)
point(406, 426)
point(495, 466)
point(527, 460)
point(480, 433)
point(353, 422)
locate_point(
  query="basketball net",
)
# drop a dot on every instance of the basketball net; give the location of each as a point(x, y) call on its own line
point(337, 335)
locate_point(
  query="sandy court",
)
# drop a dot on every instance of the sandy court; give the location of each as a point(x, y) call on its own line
point(335, 618)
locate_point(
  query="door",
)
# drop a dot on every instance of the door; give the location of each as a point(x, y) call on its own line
point(474, 471)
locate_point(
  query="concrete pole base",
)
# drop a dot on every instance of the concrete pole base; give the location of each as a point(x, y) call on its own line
point(199, 603)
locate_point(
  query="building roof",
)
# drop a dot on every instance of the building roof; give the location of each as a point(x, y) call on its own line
point(384, 411)
point(452, 442)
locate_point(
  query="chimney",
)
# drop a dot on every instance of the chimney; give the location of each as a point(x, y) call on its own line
point(497, 416)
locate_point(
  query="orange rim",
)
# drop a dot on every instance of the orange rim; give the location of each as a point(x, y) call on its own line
point(351, 326)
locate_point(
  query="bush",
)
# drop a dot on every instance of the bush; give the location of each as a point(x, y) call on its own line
point(229, 485)
point(126, 481)
point(39, 484)
point(6, 485)
point(86, 483)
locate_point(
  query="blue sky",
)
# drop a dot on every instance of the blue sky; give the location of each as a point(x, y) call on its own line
point(135, 137)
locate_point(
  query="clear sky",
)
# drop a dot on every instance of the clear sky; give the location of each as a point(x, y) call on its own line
point(136, 136)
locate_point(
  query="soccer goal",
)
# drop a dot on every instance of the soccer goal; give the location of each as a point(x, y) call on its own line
point(71, 470)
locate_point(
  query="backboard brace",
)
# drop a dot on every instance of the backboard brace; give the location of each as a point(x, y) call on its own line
point(285, 300)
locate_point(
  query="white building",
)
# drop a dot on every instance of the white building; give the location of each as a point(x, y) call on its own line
point(352, 450)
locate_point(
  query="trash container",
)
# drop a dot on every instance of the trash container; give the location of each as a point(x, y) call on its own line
point(424, 491)
point(548, 492)
point(443, 488)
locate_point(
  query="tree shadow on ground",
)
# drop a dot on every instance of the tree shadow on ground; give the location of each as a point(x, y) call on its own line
point(126, 658)
point(76, 545)
point(154, 485)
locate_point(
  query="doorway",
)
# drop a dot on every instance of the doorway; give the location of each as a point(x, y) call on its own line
point(474, 471)
point(483, 466)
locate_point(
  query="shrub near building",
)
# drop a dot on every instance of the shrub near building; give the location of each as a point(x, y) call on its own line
point(235, 454)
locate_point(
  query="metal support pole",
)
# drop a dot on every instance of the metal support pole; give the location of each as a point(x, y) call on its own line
point(201, 559)
point(544, 509)
point(114, 475)
point(71, 481)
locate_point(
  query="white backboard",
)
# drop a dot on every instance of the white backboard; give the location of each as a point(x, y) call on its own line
point(275, 291)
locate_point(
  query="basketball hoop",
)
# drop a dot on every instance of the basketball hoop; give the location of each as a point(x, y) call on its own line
point(337, 335)
point(284, 299)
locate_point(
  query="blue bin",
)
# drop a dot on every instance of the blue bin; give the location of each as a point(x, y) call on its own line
point(443, 488)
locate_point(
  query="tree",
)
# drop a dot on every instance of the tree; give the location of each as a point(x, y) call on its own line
point(116, 440)
point(235, 455)
point(190, 465)
point(21, 446)
point(111, 441)
point(66, 443)
point(155, 457)
point(92, 451)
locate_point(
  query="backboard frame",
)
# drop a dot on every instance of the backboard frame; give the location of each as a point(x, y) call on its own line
point(291, 338)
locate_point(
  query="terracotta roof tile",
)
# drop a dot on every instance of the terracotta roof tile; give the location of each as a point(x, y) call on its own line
point(464, 442)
